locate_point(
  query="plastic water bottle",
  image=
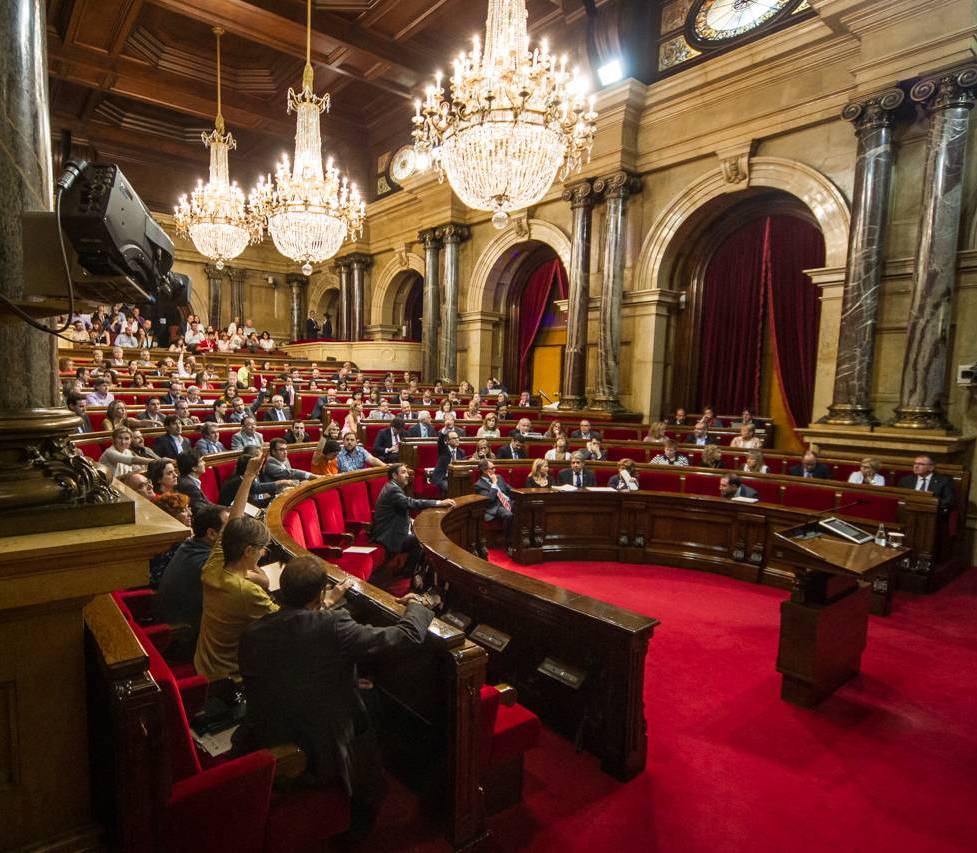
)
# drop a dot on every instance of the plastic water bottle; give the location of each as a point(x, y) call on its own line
point(880, 535)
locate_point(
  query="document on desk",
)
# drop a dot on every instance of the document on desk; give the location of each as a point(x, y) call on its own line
point(274, 572)
point(600, 489)
point(566, 487)
point(745, 500)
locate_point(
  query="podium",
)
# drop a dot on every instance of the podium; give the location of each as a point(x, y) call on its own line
point(824, 624)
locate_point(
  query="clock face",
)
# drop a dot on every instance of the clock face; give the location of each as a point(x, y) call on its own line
point(718, 23)
point(403, 164)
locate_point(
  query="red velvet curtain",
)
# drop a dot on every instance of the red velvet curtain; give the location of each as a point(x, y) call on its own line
point(790, 246)
point(731, 339)
point(532, 309)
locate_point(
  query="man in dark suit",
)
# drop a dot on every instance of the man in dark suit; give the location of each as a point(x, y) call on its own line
point(577, 474)
point(391, 517)
point(288, 392)
point(175, 393)
point(925, 479)
point(191, 466)
point(731, 486)
point(386, 446)
point(585, 432)
point(77, 403)
point(278, 412)
point(450, 452)
point(494, 487)
point(810, 468)
point(423, 428)
point(311, 328)
point(699, 435)
point(595, 451)
point(299, 667)
point(515, 449)
point(172, 444)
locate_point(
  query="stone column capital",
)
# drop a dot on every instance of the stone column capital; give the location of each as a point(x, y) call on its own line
point(343, 263)
point(236, 274)
point(213, 274)
point(454, 232)
point(582, 194)
point(956, 88)
point(296, 280)
point(874, 112)
point(430, 237)
point(618, 184)
point(359, 260)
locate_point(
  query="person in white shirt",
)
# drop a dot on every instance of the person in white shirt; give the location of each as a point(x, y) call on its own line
point(754, 463)
point(747, 439)
point(559, 452)
point(194, 335)
point(868, 473)
point(118, 459)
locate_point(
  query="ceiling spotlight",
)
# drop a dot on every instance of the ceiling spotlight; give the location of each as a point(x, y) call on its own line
point(610, 72)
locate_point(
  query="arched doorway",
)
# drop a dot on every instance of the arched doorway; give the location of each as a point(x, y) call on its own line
point(329, 307)
point(749, 332)
point(408, 305)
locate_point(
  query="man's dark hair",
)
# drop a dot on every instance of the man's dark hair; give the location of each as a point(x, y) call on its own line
point(517, 437)
point(483, 465)
point(302, 581)
point(100, 380)
point(150, 400)
point(331, 446)
point(169, 420)
point(393, 469)
point(209, 517)
point(74, 399)
point(276, 443)
point(734, 480)
point(174, 382)
point(187, 461)
point(397, 422)
point(242, 460)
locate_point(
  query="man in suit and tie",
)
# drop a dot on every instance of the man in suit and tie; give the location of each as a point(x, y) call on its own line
point(450, 452)
point(191, 467)
point(494, 487)
point(585, 432)
point(175, 393)
point(209, 441)
point(386, 447)
point(277, 467)
point(77, 403)
point(810, 468)
point(731, 486)
point(699, 435)
point(172, 444)
point(288, 392)
point(423, 428)
point(278, 413)
point(577, 475)
point(925, 479)
point(311, 327)
point(515, 449)
point(391, 517)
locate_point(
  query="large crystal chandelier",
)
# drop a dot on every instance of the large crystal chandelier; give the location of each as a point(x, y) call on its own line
point(515, 119)
point(309, 210)
point(214, 217)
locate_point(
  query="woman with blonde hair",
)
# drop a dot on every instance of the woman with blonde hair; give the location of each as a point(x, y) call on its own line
point(353, 418)
point(656, 433)
point(118, 459)
point(482, 450)
point(554, 430)
point(712, 456)
point(539, 475)
point(754, 463)
point(747, 439)
point(868, 473)
point(489, 427)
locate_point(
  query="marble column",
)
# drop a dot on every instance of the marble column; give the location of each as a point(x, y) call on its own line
point(297, 284)
point(357, 301)
point(948, 98)
point(452, 235)
point(237, 276)
point(430, 311)
point(214, 279)
point(342, 311)
point(873, 120)
point(616, 188)
point(582, 197)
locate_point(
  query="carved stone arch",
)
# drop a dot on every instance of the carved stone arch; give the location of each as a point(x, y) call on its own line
point(813, 189)
point(385, 294)
point(324, 281)
point(480, 295)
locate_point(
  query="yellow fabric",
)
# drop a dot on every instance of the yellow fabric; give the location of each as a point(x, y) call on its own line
point(231, 603)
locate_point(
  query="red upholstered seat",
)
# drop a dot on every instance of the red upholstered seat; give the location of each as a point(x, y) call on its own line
point(360, 565)
point(768, 491)
point(616, 454)
point(517, 729)
point(877, 507)
point(300, 459)
point(374, 487)
point(96, 417)
point(602, 475)
point(223, 471)
point(702, 484)
point(209, 485)
point(659, 481)
point(356, 503)
point(91, 449)
point(805, 496)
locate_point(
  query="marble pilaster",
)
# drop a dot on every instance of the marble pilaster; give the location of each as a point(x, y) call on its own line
point(451, 235)
point(948, 98)
point(343, 310)
point(237, 276)
point(582, 197)
point(214, 279)
point(430, 311)
point(296, 285)
point(359, 264)
point(873, 119)
point(616, 188)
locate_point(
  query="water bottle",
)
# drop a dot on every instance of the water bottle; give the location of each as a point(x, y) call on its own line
point(880, 535)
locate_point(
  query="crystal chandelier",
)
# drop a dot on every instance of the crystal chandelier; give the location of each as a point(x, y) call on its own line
point(309, 210)
point(513, 121)
point(215, 217)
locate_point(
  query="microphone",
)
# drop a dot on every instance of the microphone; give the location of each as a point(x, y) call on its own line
point(849, 505)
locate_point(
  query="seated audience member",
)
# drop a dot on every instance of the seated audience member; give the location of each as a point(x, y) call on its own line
point(209, 441)
point(515, 449)
point(278, 411)
point(117, 415)
point(77, 404)
point(595, 451)
point(679, 418)
point(559, 452)
point(138, 447)
point(699, 435)
point(162, 474)
point(925, 479)
point(670, 455)
point(712, 457)
point(191, 467)
point(754, 463)
point(234, 588)
point(248, 436)
point(182, 412)
point(382, 412)
point(450, 452)
point(473, 412)
point(353, 457)
point(153, 412)
point(240, 411)
point(175, 393)
point(325, 457)
point(299, 666)
point(297, 434)
point(405, 412)
point(218, 412)
point(868, 473)
point(493, 486)
point(423, 428)
point(172, 444)
point(585, 432)
point(747, 439)
point(502, 412)
point(260, 493)
point(278, 468)
point(193, 396)
point(449, 423)
point(524, 427)
point(391, 517)
point(524, 400)
point(118, 459)
point(554, 430)
point(444, 409)
point(710, 419)
point(746, 417)
point(539, 475)
point(626, 478)
point(730, 486)
point(386, 446)
point(483, 450)
point(810, 467)
point(656, 433)
point(577, 475)
point(178, 506)
point(139, 483)
point(101, 396)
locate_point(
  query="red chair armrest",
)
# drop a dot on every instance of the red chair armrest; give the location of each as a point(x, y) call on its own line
point(338, 540)
point(327, 552)
point(356, 526)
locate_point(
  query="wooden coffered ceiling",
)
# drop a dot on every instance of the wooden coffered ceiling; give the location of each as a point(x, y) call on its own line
point(132, 81)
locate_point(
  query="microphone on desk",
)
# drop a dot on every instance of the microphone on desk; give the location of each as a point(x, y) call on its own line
point(849, 505)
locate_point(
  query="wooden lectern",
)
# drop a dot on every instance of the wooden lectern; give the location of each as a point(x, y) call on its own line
point(824, 624)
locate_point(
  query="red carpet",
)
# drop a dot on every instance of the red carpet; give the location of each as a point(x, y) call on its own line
point(888, 763)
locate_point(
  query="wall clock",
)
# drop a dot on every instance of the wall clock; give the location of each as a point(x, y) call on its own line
point(403, 164)
point(721, 23)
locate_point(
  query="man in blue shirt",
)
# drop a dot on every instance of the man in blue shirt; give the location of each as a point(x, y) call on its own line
point(353, 457)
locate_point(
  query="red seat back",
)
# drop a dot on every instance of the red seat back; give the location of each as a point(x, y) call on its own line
point(702, 484)
point(209, 485)
point(293, 527)
point(356, 502)
point(311, 529)
point(330, 511)
point(659, 481)
point(183, 753)
point(768, 491)
point(808, 497)
point(877, 507)
point(374, 487)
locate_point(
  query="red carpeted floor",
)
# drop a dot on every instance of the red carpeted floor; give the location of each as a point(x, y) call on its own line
point(888, 763)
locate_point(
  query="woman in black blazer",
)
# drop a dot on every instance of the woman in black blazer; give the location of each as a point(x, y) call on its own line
point(539, 476)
